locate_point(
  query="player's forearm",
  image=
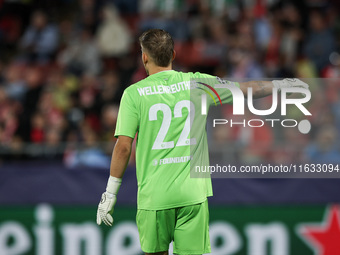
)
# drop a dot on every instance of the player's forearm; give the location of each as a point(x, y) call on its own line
point(120, 158)
point(259, 88)
point(119, 161)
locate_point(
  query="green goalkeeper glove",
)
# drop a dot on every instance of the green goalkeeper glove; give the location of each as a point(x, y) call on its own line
point(108, 201)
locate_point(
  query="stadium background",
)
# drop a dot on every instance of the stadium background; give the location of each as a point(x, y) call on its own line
point(63, 67)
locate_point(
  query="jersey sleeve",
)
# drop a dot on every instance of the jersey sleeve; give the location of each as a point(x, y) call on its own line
point(128, 117)
point(216, 88)
point(223, 89)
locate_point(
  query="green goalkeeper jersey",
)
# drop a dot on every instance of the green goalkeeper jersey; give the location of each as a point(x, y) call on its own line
point(165, 111)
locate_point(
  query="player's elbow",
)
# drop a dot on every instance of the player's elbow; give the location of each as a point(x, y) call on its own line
point(244, 88)
point(123, 149)
point(257, 92)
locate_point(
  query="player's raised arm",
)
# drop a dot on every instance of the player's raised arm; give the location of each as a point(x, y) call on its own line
point(119, 161)
point(264, 88)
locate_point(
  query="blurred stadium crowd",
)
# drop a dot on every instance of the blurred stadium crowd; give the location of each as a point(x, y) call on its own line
point(64, 66)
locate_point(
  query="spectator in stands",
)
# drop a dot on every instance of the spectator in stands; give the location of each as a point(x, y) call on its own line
point(320, 42)
point(168, 15)
point(8, 118)
point(14, 84)
point(40, 41)
point(244, 65)
point(108, 120)
point(90, 154)
point(113, 36)
point(81, 55)
point(326, 148)
point(38, 126)
point(34, 84)
point(53, 147)
point(87, 15)
point(110, 90)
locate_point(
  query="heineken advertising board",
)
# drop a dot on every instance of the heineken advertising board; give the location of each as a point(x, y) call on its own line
point(246, 230)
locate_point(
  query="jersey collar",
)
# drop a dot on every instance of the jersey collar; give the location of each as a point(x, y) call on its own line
point(162, 72)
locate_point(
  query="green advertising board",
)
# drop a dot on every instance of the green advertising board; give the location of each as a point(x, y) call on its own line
point(236, 230)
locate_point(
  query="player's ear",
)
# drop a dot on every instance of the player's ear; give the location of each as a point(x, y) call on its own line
point(173, 55)
point(145, 58)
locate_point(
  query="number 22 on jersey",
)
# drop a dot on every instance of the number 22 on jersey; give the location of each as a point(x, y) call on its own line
point(183, 139)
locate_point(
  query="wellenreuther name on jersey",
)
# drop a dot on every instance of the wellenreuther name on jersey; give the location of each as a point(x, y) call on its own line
point(162, 89)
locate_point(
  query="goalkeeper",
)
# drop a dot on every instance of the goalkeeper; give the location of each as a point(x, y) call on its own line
point(171, 206)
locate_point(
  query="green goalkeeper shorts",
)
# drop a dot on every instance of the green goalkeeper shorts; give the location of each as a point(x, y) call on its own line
point(187, 227)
